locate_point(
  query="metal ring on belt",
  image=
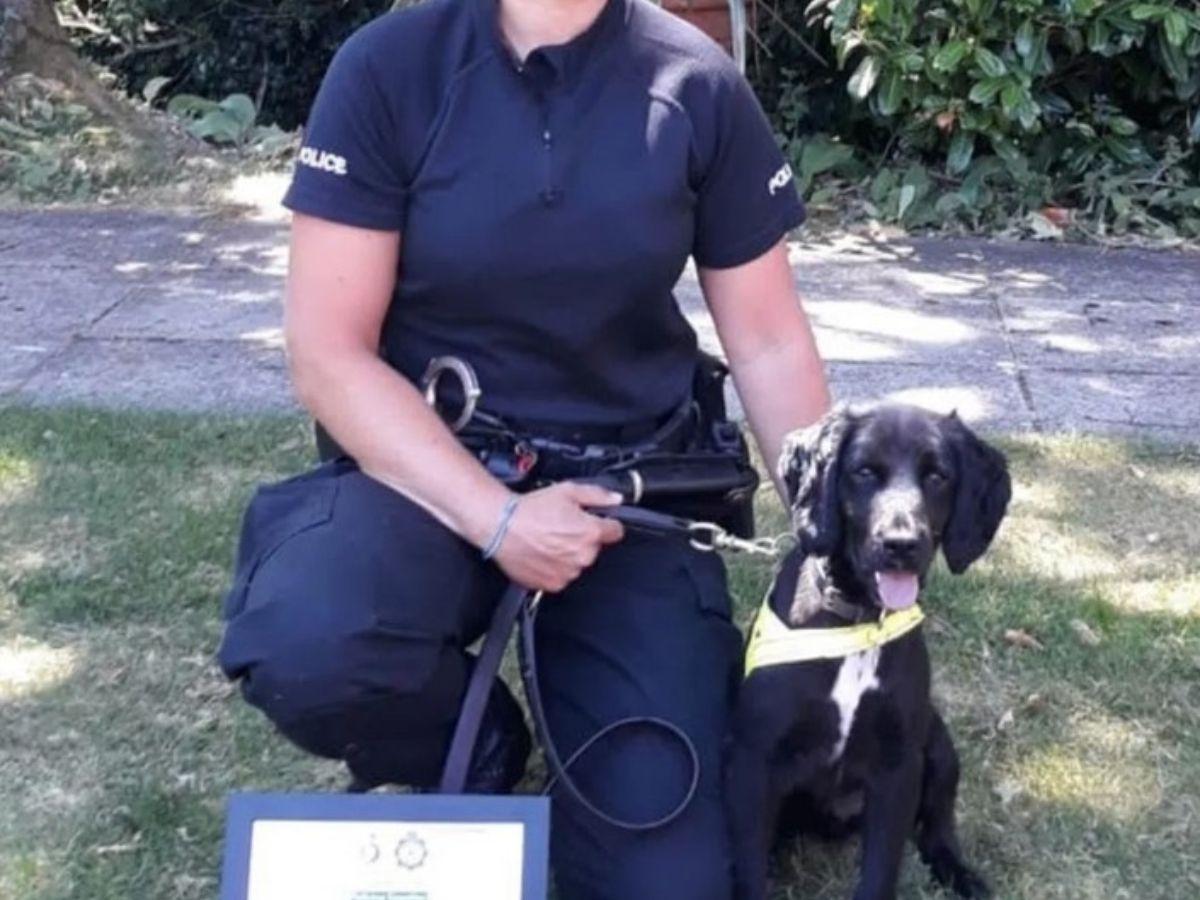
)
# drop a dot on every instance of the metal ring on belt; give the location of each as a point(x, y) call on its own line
point(439, 366)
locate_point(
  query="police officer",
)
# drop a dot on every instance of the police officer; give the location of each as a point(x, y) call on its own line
point(519, 183)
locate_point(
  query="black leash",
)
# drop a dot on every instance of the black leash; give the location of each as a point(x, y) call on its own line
point(520, 605)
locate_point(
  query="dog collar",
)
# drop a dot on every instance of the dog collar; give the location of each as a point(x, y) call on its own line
point(772, 643)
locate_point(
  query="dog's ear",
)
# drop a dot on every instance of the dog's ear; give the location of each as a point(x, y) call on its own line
point(809, 467)
point(984, 489)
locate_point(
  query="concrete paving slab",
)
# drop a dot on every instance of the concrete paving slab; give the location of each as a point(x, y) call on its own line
point(1109, 335)
point(897, 328)
point(1013, 334)
point(949, 333)
point(1166, 406)
point(987, 397)
point(191, 376)
point(1072, 273)
point(19, 359)
point(200, 308)
point(49, 303)
point(133, 247)
point(856, 268)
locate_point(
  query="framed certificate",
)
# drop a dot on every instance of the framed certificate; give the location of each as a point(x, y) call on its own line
point(385, 847)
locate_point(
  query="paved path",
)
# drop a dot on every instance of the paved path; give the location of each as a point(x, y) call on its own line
point(166, 311)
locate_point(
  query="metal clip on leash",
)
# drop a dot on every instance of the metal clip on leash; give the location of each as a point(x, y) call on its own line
point(707, 537)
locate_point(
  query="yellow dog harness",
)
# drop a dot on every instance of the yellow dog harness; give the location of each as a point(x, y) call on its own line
point(772, 643)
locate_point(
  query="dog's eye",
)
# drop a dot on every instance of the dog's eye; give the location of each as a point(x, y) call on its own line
point(866, 473)
point(935, 478)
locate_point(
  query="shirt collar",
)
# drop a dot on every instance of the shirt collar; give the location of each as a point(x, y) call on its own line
point(558, 62)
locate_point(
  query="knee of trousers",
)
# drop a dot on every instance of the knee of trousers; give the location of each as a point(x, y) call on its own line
point(338, 693)
point(689, 859)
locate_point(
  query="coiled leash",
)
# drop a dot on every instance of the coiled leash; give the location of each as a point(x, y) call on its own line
point(519, 607)
point(634, 475)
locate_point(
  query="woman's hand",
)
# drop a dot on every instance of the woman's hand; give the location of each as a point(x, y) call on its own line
point(553, 539)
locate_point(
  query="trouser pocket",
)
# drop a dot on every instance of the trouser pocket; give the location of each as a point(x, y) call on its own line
point(277, 513)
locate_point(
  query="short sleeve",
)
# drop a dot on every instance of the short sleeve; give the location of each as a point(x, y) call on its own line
point(748, 198)
point(349, 168)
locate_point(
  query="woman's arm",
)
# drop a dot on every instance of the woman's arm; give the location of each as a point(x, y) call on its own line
point(770, 347)
point(340, 284)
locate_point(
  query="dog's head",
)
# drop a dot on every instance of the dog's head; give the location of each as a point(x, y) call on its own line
point(883, 488)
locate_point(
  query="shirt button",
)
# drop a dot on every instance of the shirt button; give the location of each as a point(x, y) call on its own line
point(552, 197)
point(547, 138)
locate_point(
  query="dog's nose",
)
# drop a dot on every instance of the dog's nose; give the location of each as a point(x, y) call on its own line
point(901, 548)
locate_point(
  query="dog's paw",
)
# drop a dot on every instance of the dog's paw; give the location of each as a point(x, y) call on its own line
point(952, 873)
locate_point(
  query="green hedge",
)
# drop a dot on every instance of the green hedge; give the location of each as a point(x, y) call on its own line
point(274, 49)
point(930, 112)
point(976, 111)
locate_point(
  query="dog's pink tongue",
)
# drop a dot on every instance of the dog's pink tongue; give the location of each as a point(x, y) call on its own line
point(897, 590)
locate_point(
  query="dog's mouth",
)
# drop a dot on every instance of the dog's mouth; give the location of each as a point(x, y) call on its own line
point(897, 590)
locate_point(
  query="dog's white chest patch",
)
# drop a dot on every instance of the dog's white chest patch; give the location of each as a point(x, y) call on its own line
point(856, 676)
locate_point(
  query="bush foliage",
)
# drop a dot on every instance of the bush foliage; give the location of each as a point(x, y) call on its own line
point(1057, 114)
point(975, 111)
point(276, 51)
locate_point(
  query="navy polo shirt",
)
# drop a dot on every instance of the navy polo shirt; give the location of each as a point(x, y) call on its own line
point(546, 208)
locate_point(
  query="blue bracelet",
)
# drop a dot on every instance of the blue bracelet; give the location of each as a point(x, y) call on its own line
point(506, 517)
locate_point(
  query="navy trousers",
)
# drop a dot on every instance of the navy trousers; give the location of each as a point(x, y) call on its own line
point(348, 625)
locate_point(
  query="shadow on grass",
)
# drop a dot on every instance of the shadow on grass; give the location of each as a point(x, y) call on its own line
point(122, 740)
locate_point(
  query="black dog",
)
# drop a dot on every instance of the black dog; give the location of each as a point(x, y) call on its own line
point(852, 743)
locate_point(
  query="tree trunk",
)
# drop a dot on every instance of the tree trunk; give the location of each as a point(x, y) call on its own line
point(32, 41)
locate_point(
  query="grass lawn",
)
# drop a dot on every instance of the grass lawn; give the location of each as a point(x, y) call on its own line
point(119, 739)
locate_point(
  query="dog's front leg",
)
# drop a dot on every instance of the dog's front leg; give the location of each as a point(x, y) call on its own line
point(891, 810)
point(752, 811)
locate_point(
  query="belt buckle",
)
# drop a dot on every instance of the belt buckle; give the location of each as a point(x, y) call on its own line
point(439, 366)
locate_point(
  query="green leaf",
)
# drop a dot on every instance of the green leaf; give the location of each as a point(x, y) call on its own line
point(843, 15)
point(948, 58)
point(962, 148)
point(985, 91)
point(1174, 59)
point(882, 185)
point(862, 82)
point(1125, 150)
point(1010, 97)
point(190, 106)
point(1028, 114)
point(1146, 11)
point(1041, 62)
point(1014, 160)
point(154, 87)
point(241, 108)
point(1055, 104)
point(821, 154)
point(991, 65)
point(848, 45)
point(1176, 26)
point(1194, 133)
point(1024, 39)
point(911, 61)
point(1122, 125)
point(908, 194)
point(950, 203)
point(891, 94)
point(219, 126)
point(1097, 37)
